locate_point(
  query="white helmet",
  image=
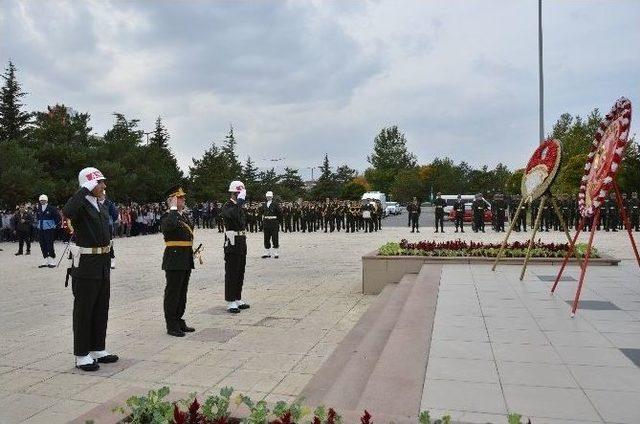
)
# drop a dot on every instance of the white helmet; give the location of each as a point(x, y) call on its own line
point(236, 186)
point(89, 174)
point(269, 194)
point(43, 197)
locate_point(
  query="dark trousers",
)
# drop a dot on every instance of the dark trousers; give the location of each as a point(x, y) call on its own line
point(175, 298)
point(23, 236)
point(440, 221)
point(46, 243)
point(415, 225)
point(459, 222)
point(478, 221)
point(270, 236)
point(235, 260)
point(90, 314)
point(500, 221)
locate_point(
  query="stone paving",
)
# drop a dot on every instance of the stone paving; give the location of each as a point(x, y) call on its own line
point(302, 306)
point(501, 345)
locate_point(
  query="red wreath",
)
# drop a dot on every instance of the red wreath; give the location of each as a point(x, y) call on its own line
point(603, 161)
point(550, 149)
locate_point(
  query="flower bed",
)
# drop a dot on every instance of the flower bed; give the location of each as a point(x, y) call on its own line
point(460, 248)
point(219, 409)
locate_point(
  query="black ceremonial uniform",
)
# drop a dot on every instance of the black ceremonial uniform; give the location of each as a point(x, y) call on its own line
point(459, 207)
point(235, 250)
point(439, 205)
point(91, 278)
point(177, 263)
point(478, 206)
point(270, 223)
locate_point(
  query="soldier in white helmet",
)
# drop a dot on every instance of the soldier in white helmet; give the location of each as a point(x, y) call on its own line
point(91, 277)
point(270, 211)
point(235, 247)
point(48, 219)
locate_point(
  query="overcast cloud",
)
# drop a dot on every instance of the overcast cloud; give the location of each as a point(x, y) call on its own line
point(301, 78)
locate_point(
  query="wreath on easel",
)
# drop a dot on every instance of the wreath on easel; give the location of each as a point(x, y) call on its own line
point(541, 170)
point(603, 161)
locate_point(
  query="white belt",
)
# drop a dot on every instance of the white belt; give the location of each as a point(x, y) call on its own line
point(270, 217)
point(94, 250)
point(231, 236)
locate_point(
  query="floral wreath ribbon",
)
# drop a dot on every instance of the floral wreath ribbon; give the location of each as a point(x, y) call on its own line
point(603, 160)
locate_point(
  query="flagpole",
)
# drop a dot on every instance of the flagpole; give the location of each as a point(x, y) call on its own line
point(540, 74)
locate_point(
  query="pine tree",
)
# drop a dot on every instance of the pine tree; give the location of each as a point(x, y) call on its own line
point(390, 155)
point(206, 180)
point(229, 153)
point(326, 184)
point(13, 121)
point(160, 135)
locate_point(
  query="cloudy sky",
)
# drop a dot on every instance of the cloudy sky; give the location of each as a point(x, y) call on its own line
point(301, 78)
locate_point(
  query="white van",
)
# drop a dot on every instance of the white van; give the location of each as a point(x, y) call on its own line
point(376, 195)
point(451, 199)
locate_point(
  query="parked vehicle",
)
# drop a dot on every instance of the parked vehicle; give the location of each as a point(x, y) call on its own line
point(393, 208)
point(376, 195)
point(451, 199)
point(468, 212)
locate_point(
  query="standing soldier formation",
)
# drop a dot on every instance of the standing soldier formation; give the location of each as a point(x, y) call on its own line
point(458, 207)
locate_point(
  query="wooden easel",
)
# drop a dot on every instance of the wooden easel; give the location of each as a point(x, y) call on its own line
point(547, 196)
point(594, 224)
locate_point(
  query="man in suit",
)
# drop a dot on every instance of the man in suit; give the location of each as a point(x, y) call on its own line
point(91, 284)
point(177, 261)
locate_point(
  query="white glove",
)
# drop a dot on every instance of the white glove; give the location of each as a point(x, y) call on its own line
point(91, 184)
point(243, 194)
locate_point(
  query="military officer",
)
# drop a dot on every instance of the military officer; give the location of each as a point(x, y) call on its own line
point(500, 212)
point(414, 210)
point(235, 247)
point(458, 207)
point(271, 214)
point(91, 278)
point(48, 219)
point(439, 205)
point(478, 207)
point(634, 209)
point(177, 261)
point(612, 213)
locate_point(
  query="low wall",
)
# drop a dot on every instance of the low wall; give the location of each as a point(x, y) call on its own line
point(377, 271)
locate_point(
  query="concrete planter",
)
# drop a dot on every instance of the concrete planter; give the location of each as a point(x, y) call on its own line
point(377, 271)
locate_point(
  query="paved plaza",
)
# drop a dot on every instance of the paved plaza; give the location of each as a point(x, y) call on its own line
point(498, 344)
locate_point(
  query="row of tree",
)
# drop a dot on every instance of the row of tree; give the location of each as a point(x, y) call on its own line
point(43, 151)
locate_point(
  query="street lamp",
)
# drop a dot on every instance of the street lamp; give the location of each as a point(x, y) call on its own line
point(540, 74)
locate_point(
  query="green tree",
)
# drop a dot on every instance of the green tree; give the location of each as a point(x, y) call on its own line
point(228, 151)
point(568, 179)
point(629, 174)
point(344, 174)
point(407, 185)
point(160, 137)
point(249, 176)
point(291, 185)
point(206, 181)
point(514, 182)
point(390, 155)
point(21, 176)
point(13, 121)
point(63, 145)
point(326, 184)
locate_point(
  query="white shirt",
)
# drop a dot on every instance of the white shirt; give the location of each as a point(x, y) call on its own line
point(269, 203)
point(43, 207)
point(93, 201)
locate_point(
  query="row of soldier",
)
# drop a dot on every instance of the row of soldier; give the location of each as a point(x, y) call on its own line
point(504, 208)
point(302, 216)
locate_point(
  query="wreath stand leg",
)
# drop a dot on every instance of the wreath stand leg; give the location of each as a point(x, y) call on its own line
point(625, 219)
point(514, 219)
point(533, 236)
point(596, 221)
point(564, 226)
point(572, 247)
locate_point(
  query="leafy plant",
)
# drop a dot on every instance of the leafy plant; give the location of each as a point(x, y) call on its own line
point(149, 409)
